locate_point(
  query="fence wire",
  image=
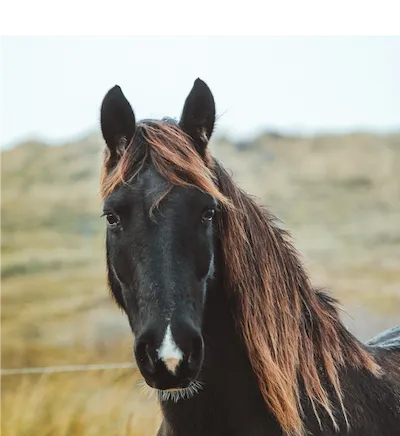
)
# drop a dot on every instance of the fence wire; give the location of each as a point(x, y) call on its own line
point(67, 368)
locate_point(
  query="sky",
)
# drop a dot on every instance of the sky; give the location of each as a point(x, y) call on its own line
point(52, 87)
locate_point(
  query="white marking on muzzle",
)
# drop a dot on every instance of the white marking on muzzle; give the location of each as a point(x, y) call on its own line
point(169, 352)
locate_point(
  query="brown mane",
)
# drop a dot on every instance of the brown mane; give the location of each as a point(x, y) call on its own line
point(172, 154)
point(292, 333)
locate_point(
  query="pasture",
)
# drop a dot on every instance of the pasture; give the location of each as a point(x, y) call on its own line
point(339, 196)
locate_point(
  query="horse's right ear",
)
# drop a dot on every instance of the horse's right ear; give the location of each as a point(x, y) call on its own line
point(117, 122)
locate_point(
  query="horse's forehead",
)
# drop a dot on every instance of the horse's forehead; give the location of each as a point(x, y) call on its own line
point(149, 180)
point(151, 186)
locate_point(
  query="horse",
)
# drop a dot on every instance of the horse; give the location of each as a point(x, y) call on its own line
point(228, 330)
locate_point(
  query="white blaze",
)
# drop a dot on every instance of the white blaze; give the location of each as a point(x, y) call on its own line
point(169, 352)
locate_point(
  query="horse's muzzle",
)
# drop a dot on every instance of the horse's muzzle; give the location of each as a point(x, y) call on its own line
point(172, 359)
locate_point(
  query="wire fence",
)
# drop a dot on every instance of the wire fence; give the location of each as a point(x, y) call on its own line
point(67, 368)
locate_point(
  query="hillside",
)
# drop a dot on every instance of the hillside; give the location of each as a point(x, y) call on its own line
point(338, 195)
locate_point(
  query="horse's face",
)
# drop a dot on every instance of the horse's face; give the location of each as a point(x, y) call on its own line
point(161, 263)
point(159, 260)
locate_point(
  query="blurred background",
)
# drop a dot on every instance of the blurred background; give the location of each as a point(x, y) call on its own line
point(311, 126)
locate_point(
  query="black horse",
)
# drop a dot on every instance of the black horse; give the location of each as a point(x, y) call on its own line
point(228, 329)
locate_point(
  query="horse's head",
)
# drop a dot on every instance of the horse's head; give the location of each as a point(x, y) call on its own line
point(160, 202)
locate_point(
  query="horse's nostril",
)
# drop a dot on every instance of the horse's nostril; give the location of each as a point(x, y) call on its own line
point(196, 353)
point(143, 356)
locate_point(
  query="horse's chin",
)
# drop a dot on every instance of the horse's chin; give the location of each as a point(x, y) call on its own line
point(174, 394)
point(171, 389)
point(177, 394)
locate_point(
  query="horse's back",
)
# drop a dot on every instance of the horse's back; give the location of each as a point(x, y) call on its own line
point(389, 339)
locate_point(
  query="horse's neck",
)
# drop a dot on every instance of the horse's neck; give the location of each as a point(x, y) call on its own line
point(230, 403)
point(230, 399)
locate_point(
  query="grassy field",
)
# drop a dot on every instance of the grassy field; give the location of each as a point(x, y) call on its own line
point(339, 196)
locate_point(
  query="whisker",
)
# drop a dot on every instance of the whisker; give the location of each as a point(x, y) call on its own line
point(146, 390)
point(170, 395)
point(180, 394)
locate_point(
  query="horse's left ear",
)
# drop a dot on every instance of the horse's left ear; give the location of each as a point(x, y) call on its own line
point(198, 115)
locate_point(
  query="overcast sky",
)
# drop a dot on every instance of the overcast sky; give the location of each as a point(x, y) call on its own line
point(52, 87)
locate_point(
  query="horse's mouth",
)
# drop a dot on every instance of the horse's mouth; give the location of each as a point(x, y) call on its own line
point(171, 389)
point(176, 394)
point(173, 394)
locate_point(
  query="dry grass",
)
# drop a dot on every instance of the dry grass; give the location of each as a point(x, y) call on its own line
point(80, 404)
point(339, 196)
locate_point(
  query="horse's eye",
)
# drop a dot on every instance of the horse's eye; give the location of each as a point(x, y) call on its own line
point(112, 220)
point(209, 214)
